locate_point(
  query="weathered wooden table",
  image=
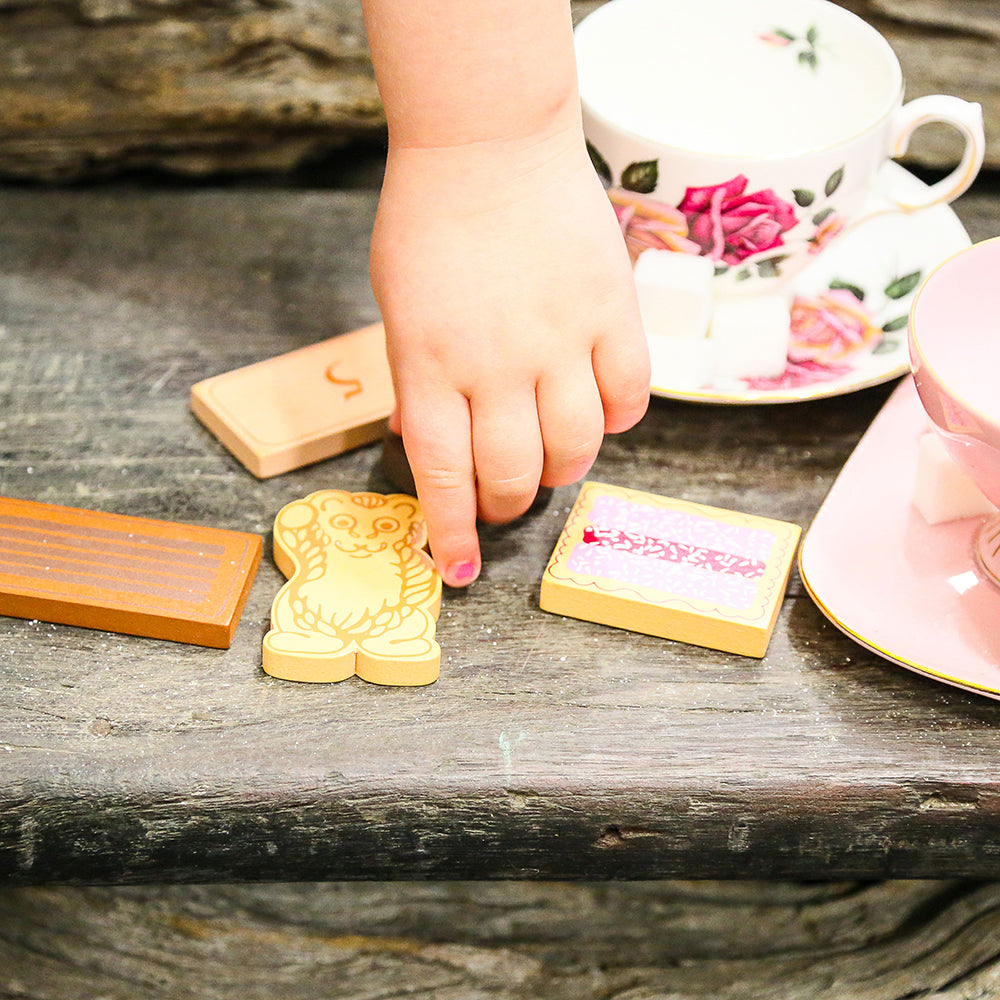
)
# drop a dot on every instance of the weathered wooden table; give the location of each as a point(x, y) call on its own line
point(550, 749)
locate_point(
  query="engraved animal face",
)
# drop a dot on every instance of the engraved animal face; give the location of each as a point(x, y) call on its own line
point(361, 525)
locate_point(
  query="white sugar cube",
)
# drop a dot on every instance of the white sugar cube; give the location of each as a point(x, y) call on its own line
point(751, 336)
point(675, 293)
point(944, 491)
point(680, 363)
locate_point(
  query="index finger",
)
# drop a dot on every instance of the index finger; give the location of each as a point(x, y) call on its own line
point(437, 435)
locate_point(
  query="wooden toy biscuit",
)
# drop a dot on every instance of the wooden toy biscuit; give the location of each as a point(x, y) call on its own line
point(670, 568)
point(362, 595)
point(124, 574)
point(300, 407)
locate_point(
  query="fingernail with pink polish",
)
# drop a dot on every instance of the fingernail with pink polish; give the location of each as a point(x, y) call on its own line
point(462, 573)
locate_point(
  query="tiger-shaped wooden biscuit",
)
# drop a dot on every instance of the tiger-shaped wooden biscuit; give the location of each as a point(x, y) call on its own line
point(362, 595)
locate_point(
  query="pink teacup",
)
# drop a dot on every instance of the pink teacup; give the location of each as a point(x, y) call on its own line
point(954, 341)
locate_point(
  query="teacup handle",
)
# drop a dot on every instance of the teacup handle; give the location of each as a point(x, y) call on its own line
point(965, 116)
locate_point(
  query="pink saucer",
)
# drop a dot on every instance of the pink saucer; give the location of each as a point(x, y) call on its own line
point(905, 589)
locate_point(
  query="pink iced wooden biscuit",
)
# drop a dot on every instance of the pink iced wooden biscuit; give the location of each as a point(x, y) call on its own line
point(301, 407)
point(670, 568)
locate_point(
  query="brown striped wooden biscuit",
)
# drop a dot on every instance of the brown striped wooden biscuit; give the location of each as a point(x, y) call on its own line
point(126, 574)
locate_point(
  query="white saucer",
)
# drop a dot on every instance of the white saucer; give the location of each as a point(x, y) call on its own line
point(907, 590)
point(870, 259)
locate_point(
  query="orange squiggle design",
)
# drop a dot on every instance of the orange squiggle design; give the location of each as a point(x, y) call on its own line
point(355, 384)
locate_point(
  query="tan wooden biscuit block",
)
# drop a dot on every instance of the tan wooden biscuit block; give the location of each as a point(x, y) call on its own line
point(671, 568)
point(362, 595)
point(301, 407)
point(126, 574)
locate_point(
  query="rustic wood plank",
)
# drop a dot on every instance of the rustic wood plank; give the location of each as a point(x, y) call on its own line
point(548, 748)
point(513, 941)
point(99, 86)
point(102, 85)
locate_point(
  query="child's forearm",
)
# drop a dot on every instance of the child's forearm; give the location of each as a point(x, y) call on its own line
point(452, 72)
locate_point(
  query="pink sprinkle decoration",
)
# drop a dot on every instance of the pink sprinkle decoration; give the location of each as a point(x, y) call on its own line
point(676, 552)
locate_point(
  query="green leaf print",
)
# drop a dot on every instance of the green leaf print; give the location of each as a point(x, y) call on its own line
point(806, 47)
point(903, 286)
point(857, 292)
point(641, 177)
point(770, 267)
point(600, 164)
point(885, 346)
point(833, 181)
point(820, 217)
point(803, 197)
point(895, 324)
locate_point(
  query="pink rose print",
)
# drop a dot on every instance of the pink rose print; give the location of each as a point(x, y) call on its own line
point(775, 39)
point(830, 327)
point(730, 226)
point(797, 375)
point(829, 228)
point(648, 224)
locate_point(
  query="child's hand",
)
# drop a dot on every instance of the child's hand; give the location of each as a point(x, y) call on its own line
point(512, 326)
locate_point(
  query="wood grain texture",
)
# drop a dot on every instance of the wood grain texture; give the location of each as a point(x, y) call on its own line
point(936, 940)
point(98, 86)
point(548, 748)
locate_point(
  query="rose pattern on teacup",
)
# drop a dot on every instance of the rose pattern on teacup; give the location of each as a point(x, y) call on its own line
point(731, 225)
point(829, 331)
point(648, 224)
point(829, 327)
point(741, 232)
point(833, 330)
point(770, 158)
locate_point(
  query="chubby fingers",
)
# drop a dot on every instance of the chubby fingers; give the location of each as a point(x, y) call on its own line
point(487, 457)
point(604, 394)
point(437, 437)
point(571, 415)
point(483, 458)
point(508, 452)
point(621, 367)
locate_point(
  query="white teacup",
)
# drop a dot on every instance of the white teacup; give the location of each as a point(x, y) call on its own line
point(750, 131)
